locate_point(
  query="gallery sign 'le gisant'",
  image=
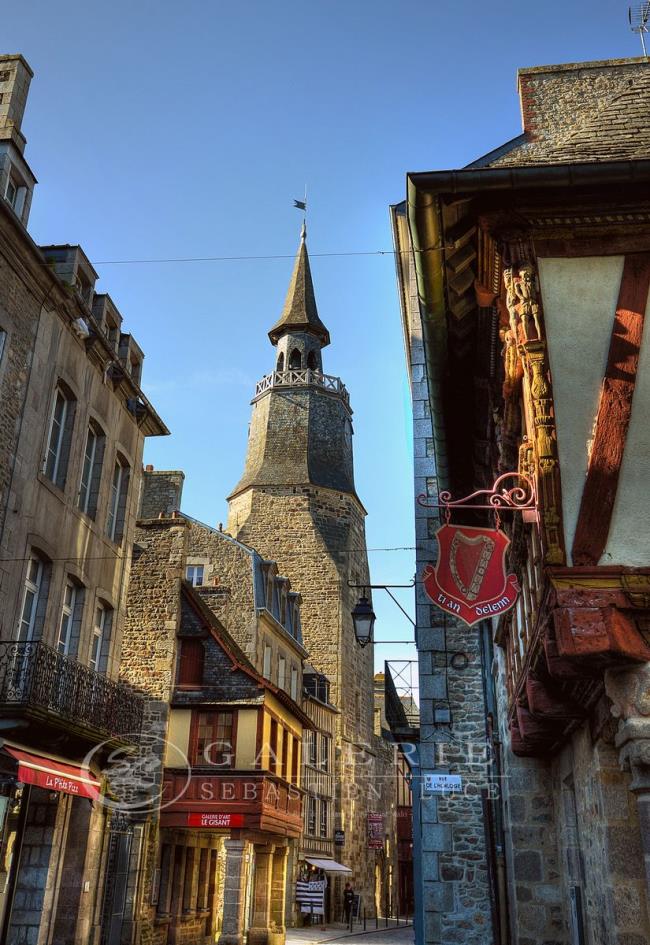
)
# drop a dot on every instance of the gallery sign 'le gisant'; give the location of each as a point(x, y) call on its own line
point(470, 580)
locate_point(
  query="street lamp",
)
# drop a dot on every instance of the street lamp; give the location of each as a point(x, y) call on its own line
point(363, 618)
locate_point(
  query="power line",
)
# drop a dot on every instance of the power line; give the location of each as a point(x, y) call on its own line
point(188, 259)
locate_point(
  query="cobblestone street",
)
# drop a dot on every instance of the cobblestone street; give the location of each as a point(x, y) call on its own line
point(333, 936)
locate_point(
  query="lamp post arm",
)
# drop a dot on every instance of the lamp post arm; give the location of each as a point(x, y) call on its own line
point(392, 596)
point(387, 588)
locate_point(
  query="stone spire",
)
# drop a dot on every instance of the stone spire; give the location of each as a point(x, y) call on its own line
point(300, 314)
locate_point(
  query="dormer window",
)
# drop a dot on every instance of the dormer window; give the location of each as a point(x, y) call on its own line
point(112, 333)
point(136, 370)
point(15, 193)
point(83, 287)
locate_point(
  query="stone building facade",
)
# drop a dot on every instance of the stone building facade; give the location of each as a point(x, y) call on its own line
point(534, 317)
point(214, 642)
point(296, 502)
point(454, 891)
point(72, 431)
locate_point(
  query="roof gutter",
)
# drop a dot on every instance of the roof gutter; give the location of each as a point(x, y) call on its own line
point(425, 230)
point(525, 177)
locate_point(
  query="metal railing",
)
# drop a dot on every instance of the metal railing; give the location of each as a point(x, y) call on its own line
point(33, 675)
point(303, 378)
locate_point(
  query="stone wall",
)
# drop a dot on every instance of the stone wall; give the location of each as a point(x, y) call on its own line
point(558, 100)
point(228, 580)
point(317, 537)
point(161, 492)
point(148, 665)
point(456, 893)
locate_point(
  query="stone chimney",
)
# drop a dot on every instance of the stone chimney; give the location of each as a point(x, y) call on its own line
point(554, 99)
point(580, 112)
point(161, 492)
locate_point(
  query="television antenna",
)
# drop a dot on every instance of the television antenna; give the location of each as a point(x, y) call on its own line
point(639, 17)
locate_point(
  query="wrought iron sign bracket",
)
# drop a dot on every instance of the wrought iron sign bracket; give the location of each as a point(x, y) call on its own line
point(521, 497)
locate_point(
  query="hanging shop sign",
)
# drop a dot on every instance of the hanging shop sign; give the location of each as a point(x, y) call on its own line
point(375, 831)
point(215, 820)
point(469, 579)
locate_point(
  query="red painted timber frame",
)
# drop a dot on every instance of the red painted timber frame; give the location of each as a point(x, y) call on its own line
point(614, 412)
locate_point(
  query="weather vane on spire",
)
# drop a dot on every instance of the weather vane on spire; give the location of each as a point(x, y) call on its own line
point(302, 205)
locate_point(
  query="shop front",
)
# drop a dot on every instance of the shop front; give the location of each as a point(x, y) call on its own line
point(51, 823)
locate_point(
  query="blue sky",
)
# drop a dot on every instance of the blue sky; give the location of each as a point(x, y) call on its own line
point(164, 130)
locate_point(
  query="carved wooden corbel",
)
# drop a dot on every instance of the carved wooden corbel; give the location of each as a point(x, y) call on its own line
point(526, 330)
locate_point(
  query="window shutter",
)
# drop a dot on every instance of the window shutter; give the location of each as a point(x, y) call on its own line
point(190, 672)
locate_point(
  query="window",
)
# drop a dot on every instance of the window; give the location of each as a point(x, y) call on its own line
point(15, 193)
point(100, 639)
point(295, 360)
point(280, 365)
point(194, 574)
point(4, 75)
point(112, 333)
point(294, 683)
point(3, 341)
point(273, 747)
point(213, 740)
point(282, 672)
point(295, 755)
point(324, 818)
point(283, 751)
point(311, 361)
point(59, 436)
point(325, 752)
point(117, 500)
point(190, 663)
point(91, 471)
point(67, 617)
point(11, 192)
point(311, 748)
point(317, 686)
point(311, 816)
point(32, 611)
point(268, 653)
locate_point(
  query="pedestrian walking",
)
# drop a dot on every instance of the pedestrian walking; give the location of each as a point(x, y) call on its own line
point(348, 899)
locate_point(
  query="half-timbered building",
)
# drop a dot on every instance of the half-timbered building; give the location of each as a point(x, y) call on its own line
point(532, 269)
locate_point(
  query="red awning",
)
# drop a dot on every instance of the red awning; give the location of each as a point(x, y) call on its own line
point(54, 775)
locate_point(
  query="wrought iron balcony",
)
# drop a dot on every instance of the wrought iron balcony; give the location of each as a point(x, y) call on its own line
point(37, 681)
point(303, 378)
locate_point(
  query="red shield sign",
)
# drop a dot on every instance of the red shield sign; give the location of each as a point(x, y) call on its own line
point(469, 579)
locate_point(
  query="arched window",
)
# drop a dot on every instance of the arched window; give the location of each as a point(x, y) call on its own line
point(295, 360)
point(311, 361)
point(280, 366)
point(190, 663)
point(116, 519)
point(59, 435)
point(91, 471)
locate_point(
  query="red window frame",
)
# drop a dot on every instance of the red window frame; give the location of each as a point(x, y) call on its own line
point(209, 731)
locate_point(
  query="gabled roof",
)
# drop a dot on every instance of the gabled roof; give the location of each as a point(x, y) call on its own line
point(580, 112)
point(300, 312)
point(619, 130)
point(236, 655)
